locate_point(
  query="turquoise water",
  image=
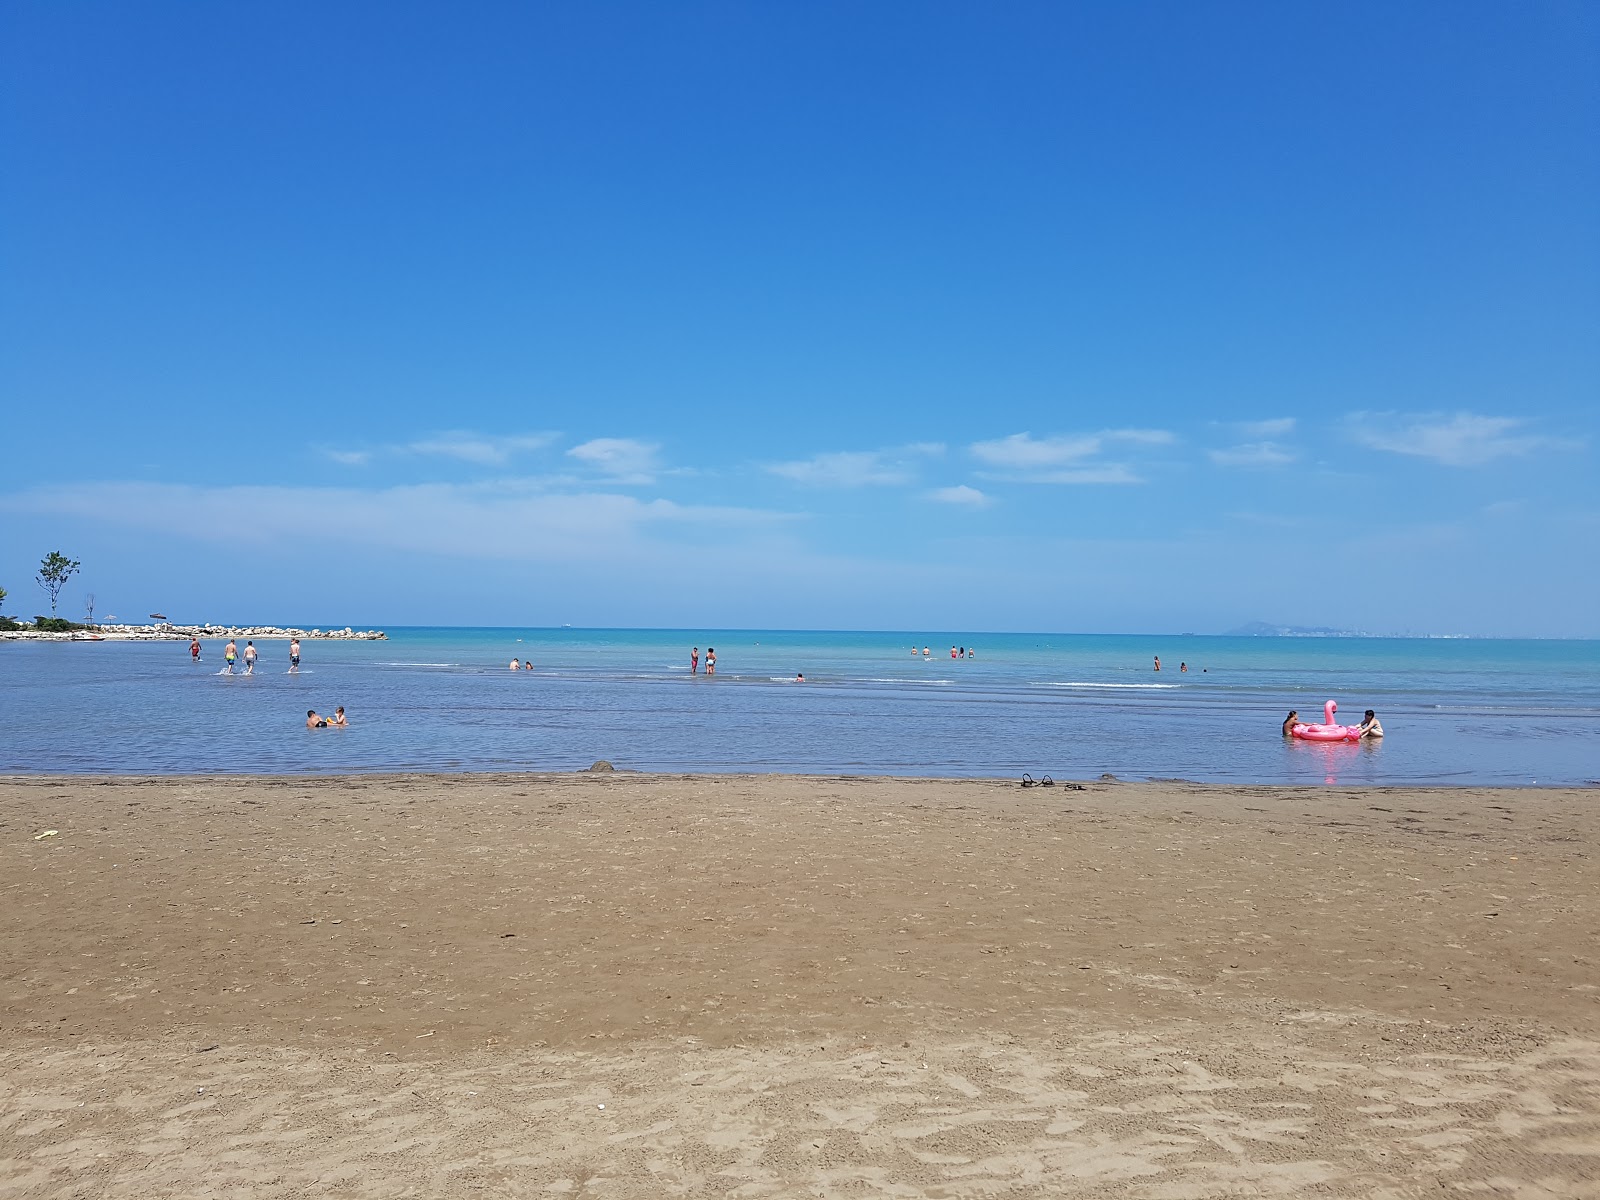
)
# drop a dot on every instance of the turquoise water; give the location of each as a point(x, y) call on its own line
point(1072, 706)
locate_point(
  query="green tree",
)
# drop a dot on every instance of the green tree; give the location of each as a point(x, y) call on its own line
point(54, 571)
point(2, 596)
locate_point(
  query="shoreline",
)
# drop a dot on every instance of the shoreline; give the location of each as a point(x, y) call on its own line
point(794, 985)
point(1064, 788)
point(176, 633)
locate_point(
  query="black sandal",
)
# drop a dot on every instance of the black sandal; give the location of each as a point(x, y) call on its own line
point(1047, 782)
point(1027, 780)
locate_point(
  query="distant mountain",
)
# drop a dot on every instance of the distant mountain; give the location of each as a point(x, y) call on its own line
point(1263, 629)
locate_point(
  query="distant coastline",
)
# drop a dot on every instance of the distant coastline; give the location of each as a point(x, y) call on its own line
point(179, 633)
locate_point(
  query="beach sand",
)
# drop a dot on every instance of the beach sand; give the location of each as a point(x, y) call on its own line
point(643, 986)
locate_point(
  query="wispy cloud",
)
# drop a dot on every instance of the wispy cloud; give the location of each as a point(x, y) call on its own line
point(483, 449)
point(620, 460)
point(961, 494)
point(858, 468)
point(1065, 458)
point(491, 520)
point(1461, 440)
point(1253, 454)
point(486, 450)
point(1275, 427)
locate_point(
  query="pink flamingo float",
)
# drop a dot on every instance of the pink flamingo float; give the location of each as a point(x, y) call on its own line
point(1327, 731)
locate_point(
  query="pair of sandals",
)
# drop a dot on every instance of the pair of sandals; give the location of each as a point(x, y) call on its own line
point(1030, 781)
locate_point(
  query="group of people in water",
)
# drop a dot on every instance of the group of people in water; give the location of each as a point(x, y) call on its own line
point(230, 655)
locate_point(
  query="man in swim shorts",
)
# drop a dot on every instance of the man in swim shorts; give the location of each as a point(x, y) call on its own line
point(694, 661)
point(315, 722)
point(249, 658)
point(230, 652)
point(194, 649)
point(294, 656)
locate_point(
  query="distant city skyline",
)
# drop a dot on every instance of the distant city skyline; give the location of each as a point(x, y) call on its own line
point(1133, 319)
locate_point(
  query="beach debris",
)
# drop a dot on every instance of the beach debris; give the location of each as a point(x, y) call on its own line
point(46, 833)
point(430, 1033)
point(208, 1049)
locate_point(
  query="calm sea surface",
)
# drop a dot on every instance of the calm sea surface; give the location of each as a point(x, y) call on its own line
point(1072, 706)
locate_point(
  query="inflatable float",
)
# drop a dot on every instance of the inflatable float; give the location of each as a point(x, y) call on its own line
point(1327, 731)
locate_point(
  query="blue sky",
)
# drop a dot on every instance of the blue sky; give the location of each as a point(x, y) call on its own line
point(1150, 317)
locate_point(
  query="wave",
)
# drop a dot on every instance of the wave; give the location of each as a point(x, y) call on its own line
point(1116, 686)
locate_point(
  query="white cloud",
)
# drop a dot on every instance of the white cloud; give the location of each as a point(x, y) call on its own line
point(961, 494)
point(622, 460)
point(1253, 454)
point(1276, 427)
point(484, 449)
point(1104, 473)
point(1462, 440)
point(847, 468)
point(1064, 459)
point(489, 520)
point(1024, 452)
point(858, 468)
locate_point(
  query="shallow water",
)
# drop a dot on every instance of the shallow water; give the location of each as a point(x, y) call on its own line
point(1072, 706)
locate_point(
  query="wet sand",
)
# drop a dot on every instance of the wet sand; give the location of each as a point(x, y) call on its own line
point(640, 986)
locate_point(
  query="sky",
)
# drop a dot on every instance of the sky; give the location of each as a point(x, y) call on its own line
point(1147, 317)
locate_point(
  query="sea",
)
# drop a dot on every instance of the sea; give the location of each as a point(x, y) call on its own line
point(1068, 706)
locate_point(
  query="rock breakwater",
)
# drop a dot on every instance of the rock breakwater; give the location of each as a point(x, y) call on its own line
point(173, 633)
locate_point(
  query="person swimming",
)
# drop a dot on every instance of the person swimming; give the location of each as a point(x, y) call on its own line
point(315, 722)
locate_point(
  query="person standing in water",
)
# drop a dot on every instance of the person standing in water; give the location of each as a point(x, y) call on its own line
point(249, 658)
point(1158, 662)
point(294, 656)
point(711, 660)
point(230, 652)
point(694, 661)
point(194, 649)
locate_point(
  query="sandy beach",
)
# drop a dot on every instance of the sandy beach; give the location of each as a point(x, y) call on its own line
point(641, 985)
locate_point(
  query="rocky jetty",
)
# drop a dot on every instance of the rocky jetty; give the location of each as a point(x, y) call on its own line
point(175, 633)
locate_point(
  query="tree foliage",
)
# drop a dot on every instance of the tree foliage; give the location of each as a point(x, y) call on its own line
point(54, 571)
